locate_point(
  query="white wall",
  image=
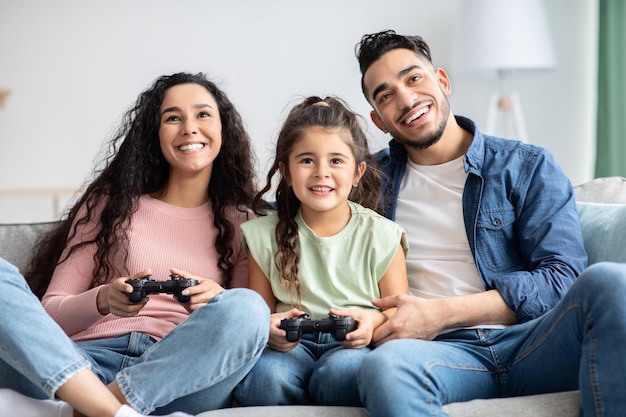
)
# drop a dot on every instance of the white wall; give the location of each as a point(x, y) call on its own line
point(74, 66)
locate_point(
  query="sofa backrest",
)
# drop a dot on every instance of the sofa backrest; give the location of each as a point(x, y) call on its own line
point(601, 207)
point(602, 215)
point(17, 241)
point(609, 190)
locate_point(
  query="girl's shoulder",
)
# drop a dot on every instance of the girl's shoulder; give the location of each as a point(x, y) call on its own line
point(383, 230)
point(261, 223)
point(367, 215)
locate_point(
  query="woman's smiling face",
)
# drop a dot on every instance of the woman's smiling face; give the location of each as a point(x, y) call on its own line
point(190, 130)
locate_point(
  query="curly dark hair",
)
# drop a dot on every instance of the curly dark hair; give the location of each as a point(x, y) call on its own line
point(134, 166)
point(373, 46)
point(328, 113)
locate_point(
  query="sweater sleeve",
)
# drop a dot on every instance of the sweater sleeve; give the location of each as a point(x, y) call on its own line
point(70, 300)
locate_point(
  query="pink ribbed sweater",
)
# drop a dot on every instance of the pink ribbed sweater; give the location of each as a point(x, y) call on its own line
point(161, 237)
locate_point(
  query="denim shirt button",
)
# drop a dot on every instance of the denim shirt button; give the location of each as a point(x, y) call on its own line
point(496, 222)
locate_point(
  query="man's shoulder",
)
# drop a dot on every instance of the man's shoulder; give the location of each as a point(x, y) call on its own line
point(496, 148)
point(381, 155)
point(394, 153)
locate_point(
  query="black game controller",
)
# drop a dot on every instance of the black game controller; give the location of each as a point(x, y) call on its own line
point(338, 326)
point(147, 285)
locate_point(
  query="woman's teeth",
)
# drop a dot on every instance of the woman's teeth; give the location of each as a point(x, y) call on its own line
point(191, 147)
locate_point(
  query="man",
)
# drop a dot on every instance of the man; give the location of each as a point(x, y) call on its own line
point(496, 308)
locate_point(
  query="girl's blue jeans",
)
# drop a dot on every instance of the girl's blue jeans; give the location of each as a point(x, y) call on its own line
point(579, 344)
point(193, 369)
point(318, 370)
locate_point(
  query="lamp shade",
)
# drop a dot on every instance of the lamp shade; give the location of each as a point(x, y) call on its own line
point(501, 35)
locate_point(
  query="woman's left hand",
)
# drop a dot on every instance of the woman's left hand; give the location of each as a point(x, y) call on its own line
point(199, 294)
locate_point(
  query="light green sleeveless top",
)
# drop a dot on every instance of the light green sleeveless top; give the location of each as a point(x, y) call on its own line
point(340, 271)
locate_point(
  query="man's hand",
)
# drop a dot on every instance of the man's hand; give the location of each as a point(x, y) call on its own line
point(415, 318)
point(421, 318)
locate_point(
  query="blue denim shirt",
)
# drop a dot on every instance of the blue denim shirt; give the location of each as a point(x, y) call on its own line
point(520, 218)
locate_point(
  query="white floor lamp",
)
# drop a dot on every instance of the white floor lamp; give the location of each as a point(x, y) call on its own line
point(502, 37)
point(505, 107)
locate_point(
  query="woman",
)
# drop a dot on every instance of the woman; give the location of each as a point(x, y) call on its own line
point(175, 187)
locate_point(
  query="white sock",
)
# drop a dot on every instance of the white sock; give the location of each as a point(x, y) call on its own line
point(126, 411)
point(23, 406)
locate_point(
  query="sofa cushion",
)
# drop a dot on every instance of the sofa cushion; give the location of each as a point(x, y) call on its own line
point(288, 411)
point(564, 404)
point(603, 228)
point(18, 240)
point(611, 190)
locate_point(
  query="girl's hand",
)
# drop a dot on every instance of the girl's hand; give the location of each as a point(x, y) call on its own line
point(367, 321)
point(113, 298)
point(199, 294)
point(278, 337)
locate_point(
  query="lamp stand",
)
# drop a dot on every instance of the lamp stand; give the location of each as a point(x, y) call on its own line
point(507, 110)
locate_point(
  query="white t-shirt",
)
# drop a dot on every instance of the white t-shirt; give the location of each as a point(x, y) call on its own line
point(439, 262)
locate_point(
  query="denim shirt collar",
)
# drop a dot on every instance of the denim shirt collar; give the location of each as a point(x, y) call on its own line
point(475, 154)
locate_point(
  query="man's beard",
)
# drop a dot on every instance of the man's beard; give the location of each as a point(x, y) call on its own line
point(431, 138)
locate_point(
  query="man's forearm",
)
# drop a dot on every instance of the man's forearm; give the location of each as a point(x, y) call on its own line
point(476, 309)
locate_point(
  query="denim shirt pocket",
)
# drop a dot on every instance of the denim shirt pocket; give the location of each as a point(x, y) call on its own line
point(497, 239)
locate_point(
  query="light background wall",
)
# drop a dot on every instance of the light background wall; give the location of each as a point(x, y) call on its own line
point(74, 66)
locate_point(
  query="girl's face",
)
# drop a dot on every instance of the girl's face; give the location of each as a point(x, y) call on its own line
point(190, 130)
point(323, 170)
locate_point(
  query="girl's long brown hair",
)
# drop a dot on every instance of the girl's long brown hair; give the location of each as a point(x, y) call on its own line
point(328, 113)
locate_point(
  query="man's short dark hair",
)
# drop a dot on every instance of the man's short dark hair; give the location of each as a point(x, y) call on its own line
point(374, 45)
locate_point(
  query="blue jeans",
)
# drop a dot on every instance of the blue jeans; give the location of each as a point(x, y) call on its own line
point(193, 369)
point(318, 370)
point(579, 344)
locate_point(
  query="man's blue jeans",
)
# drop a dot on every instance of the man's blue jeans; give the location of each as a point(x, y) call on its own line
point(579, 344)
point(194, 368)
point(318, 370)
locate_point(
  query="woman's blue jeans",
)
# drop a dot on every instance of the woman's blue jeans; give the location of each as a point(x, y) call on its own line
point(318, 370)
point(193, 369)
point(579, 344)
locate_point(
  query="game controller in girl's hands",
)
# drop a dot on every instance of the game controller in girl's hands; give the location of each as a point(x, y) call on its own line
point(338, 326)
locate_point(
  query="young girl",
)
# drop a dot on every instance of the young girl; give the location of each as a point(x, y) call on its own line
point(321, 251)
point(176, 186)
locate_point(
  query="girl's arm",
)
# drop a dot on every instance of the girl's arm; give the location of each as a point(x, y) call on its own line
point(393, 282)
point(258, 282)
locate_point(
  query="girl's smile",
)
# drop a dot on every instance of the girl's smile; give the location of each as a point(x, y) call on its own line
point(322, 171)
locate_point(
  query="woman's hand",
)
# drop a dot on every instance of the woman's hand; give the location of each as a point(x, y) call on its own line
point(278, 337)
point(199, 294)
point(113, 298)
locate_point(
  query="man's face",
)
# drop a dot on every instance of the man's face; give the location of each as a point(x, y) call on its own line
point(409, 97)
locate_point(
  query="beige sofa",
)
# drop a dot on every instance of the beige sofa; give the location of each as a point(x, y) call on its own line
point(602, 211)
